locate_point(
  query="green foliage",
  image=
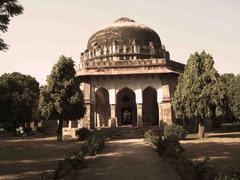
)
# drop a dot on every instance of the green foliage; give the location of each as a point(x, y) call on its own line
point(28, 130)
point(8, 127)
point(235, 96)
point(40, 129)
point(205, 170)
point(18, 99)
point(196, 91)
point(168, 144)
point(152, 138)
point(169, 147)
point(228, 80)
point(174, 132)
point(199, 94)
point(82, 134)
point(233, 175)
point(61, 99)
point(74, 162)
point(189, 169)
point(8, 9)
point(232, 103)
point(95, 143)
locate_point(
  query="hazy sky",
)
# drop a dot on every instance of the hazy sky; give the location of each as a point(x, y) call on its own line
point(50, 28)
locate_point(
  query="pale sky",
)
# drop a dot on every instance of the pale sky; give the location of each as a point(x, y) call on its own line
point(50, 28)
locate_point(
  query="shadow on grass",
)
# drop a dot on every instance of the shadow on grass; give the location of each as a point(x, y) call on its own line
point(225, 155)
point(31, 157)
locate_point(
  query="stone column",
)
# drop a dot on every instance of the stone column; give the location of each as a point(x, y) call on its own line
point(112, 121)
point(160, 114)
point(166, 102)
point(139, 101)
point(139, 115)
point(112, 101)
point(167, 112)
point(92, 107)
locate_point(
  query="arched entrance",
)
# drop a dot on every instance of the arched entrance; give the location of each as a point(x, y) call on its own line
point(150, 107)
point(126, 107)
point(102, 107)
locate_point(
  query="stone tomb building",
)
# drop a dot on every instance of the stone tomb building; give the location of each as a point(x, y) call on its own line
point(128, 77)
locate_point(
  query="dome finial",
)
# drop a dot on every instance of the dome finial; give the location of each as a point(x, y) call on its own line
point(124, 19)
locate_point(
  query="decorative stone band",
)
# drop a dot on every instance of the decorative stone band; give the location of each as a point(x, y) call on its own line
point(146, 63)
point(123, 52)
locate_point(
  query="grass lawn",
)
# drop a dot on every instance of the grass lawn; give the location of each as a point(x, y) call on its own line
point(30, 157)
point(223, 148)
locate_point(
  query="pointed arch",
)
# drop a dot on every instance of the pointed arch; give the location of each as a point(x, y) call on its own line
point(126, 109)
point(150, 107)
point(102, 107)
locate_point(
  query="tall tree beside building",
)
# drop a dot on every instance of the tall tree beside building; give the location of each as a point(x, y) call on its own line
point(61, 99)
point(8, 9)
point(235, 104)
point(198, 94)
point(18, 99)
point(228, 81)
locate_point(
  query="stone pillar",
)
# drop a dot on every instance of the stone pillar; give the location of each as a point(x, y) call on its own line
point(160, 114)
point(97, 120)
point(139, 101)
point(166, 102)
point(112, 120)
point(92, 107)
point(85, 121)
point(139, 115)
point(112, 101)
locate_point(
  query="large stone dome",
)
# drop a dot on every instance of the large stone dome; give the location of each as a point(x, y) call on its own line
point(123, 40)
point(124, 31)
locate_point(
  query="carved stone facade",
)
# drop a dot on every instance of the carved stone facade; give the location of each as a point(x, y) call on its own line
point(128, 77)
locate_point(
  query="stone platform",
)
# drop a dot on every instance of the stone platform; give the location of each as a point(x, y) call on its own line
point(130, 132)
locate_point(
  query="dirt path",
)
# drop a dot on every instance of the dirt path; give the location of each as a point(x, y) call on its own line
point(127, 159)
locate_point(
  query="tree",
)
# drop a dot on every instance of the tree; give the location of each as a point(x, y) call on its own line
point(8, 9)
point(61, 99)
point(234, 96)
point(198, 94)
point(228, 82)
point(232, 103)
point(18, 98)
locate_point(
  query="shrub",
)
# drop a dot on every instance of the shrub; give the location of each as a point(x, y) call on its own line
point(8, 127)
point(152, 138)
point(184, 167)
point(95, 142)
point(84, 148)
point(73, 162)
point(28, 130)
point(166, 146)
point(40, 129)
point(174, 132)
point(225, 177)
point(205, 170)
point(82, 134)
point(169, 148)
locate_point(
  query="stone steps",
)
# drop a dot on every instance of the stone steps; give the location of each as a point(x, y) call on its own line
point(130, 132)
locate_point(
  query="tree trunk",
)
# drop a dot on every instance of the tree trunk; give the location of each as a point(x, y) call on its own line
point(201, 129)
point(59, 131)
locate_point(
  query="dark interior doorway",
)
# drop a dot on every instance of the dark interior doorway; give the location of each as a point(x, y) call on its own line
point(126, 107)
